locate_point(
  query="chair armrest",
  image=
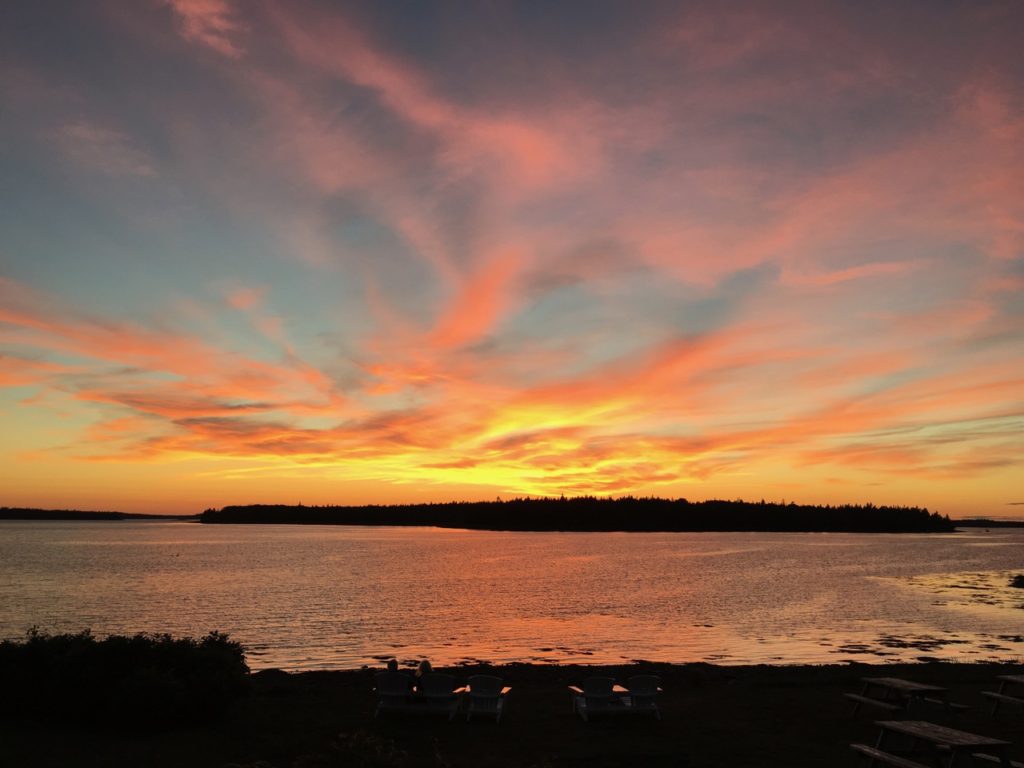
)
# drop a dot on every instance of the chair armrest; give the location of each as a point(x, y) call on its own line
point(461, 690)
point(505, 690)
point(576, 690)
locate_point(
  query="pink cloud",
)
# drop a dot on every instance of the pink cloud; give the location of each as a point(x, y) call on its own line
point(859, 272)
point(211, 23)
point(245, 297)
point(523, 152)
point(481, 301)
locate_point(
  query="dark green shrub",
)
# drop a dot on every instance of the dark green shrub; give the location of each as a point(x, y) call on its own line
point(138, 681)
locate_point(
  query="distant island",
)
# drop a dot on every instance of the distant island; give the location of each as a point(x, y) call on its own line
point(27, 513)
point(984, 522)
point(585, 513)
point(588, 513)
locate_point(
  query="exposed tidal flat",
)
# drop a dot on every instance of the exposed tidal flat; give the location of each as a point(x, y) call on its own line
point(339, 597)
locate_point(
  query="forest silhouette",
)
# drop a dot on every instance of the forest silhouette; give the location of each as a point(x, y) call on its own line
point(589, 513)
point(28, 513)
point(31, 513)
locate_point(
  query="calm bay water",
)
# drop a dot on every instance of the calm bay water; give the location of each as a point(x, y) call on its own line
point(303, 597)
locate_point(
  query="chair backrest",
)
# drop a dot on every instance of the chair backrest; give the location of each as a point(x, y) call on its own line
point(437, 685)
point(485, 686)
point(598, 688)
point(485, 694)
point(643, 685)
point(390, 685)
point(643, 689)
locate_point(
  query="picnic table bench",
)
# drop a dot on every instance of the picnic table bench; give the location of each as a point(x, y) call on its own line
point(859, 699)
point(938, 745)
point(894, 694)
point(888, 758)
point(980, 757)
point(1003, 695)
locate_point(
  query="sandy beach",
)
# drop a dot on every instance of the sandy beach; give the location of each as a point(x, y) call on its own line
point(712, 716)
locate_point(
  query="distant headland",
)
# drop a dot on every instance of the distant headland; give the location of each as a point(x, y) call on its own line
point(25, 513)
point(29, 513)
point(581, 513)
point(588, 513)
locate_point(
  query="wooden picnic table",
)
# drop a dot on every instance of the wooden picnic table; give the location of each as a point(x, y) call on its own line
point(891, 693)
point(940, 742)
point(901, 687)
point(1007, 693)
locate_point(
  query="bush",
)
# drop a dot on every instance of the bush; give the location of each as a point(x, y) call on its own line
point(138, 681)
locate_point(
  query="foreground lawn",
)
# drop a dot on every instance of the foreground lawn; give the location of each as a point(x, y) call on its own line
point(712, 716)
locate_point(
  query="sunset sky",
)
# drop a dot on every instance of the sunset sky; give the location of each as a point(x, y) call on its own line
point(395, 252)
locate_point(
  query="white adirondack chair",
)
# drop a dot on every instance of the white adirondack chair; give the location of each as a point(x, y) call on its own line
point(486, 696)
point(643, 692)
point(393, 691)
point(595, 697)
point(437, 693)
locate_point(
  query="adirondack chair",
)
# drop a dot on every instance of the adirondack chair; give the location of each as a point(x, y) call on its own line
point(486, 696)
point(437, 692)
point(643, 692)
point(595, 697)
point(393, 691)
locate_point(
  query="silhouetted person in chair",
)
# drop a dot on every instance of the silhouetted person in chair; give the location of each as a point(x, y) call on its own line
point(423, 669)
point(393, 668)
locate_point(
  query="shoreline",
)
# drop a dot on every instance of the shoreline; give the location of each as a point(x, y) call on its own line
point(785, 715)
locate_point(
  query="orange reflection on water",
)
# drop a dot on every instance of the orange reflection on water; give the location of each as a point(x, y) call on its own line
point(335, 597)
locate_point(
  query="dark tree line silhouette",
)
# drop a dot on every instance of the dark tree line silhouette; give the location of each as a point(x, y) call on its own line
point(984, 522)
point(28, 513)
point(24, 513)
point(588, 513)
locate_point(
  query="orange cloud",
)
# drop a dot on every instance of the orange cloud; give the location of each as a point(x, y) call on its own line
point(20, 372)
point(209, 379)
point(482, 299)
point(245, 297)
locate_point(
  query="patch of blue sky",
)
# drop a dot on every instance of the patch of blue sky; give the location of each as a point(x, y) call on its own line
point(621, 320)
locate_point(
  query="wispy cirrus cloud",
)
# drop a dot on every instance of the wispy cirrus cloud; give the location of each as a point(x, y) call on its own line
point(150, 370)
point(213, 23)
point(105, 150)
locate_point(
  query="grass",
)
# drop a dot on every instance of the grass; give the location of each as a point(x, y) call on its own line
point(712, 716)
